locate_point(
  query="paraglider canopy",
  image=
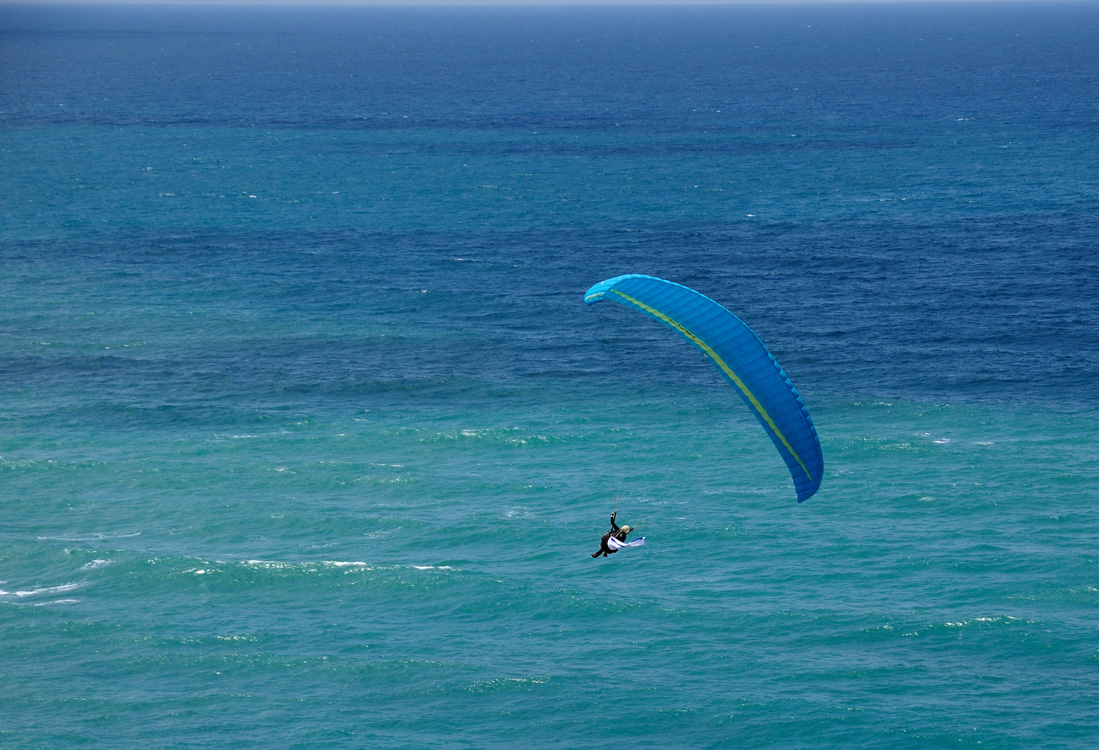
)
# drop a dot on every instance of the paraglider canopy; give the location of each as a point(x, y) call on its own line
point(740, 356)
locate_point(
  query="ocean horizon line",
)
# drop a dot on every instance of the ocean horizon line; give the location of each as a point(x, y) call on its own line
point(522, 4)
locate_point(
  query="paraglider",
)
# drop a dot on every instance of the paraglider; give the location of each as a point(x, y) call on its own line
point(740, 356)
point(615, 539)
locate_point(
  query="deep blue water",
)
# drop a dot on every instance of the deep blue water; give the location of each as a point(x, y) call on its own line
point(306, 435)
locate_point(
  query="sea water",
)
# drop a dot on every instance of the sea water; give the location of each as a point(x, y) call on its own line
point(306, 435)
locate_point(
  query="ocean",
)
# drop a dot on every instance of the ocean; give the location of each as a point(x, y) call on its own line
point(307, 437)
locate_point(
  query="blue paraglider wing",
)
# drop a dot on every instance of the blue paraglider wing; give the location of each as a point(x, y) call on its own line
point(740, 356)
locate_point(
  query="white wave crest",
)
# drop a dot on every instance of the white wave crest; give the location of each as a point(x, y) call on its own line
point(45, 590)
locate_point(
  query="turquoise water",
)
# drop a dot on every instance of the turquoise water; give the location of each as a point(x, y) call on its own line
point(307, 435)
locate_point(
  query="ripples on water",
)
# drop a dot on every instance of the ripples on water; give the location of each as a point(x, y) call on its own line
point(307, 434)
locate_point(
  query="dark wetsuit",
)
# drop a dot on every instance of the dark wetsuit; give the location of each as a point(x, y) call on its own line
point(604, 550)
